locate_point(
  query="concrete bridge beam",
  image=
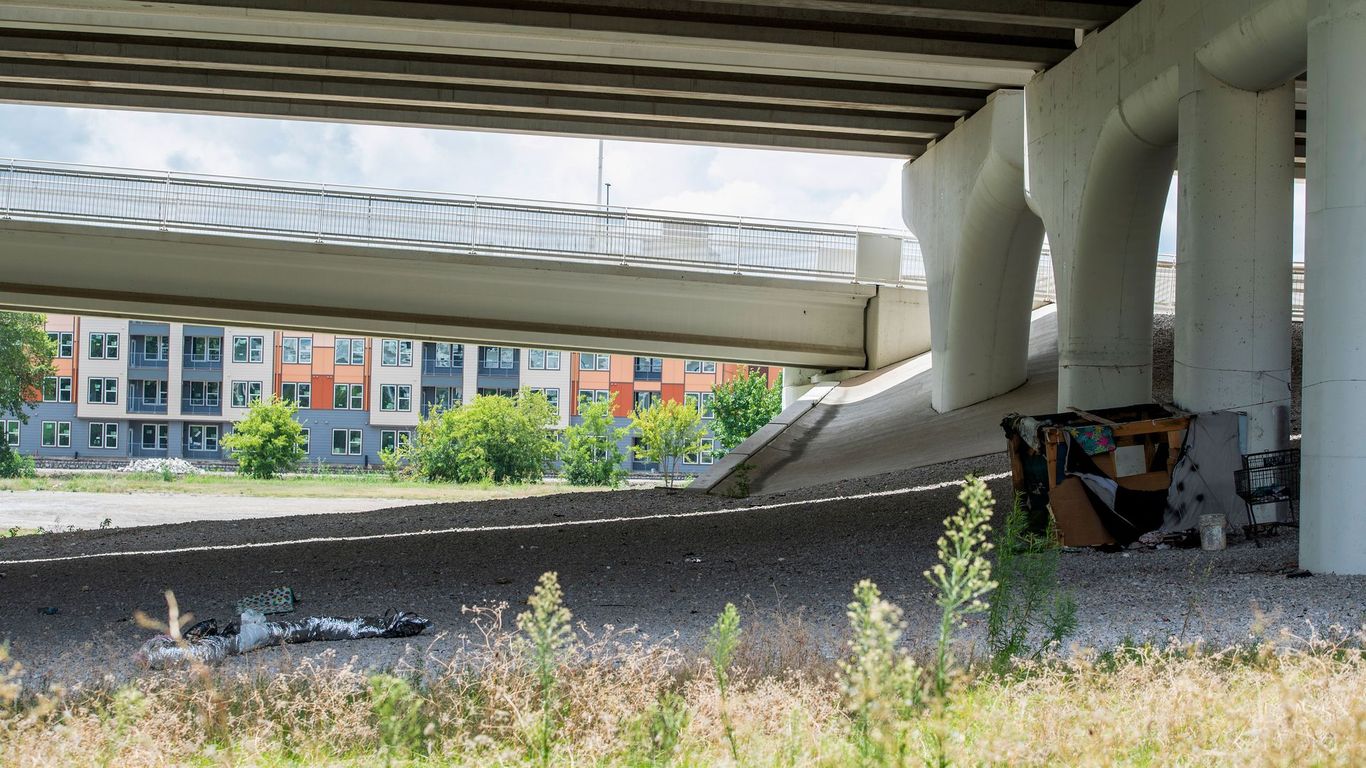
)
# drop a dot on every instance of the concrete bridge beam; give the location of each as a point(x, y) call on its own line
point(1237, 162)
point(964, 199)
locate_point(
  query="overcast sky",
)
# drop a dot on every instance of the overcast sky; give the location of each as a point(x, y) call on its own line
point(761, 183)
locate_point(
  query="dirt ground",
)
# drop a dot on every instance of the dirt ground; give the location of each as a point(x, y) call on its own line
point(665, 562)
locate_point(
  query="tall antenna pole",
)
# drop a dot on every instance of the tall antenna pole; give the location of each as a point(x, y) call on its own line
point(599, 171)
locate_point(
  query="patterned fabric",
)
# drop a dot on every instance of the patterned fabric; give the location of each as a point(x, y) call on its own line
point(1094, 440)
point(278, 600)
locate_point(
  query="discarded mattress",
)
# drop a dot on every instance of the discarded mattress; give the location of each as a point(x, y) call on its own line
point(205, 643)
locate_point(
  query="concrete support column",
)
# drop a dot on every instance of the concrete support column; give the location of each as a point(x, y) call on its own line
point(1236, 157)
point(796, 382)
point(1099, 167)
point(964, 199)
point(1333, 480)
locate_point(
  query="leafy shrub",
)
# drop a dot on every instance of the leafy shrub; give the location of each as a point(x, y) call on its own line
point(668, 430)
point(267, 441)
point(742, 405)
point(15, 464)
point(591, 454)
point(490, 438)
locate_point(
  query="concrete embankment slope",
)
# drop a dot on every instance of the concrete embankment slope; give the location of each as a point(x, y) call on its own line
point(881, 422)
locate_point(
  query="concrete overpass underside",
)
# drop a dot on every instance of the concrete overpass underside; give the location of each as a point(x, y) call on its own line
point(858, 76)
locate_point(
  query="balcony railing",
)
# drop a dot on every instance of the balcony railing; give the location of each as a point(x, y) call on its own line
point(140, 360)
point(430, 368)
point(195, 364)
point(139, 405)
point(201, 409)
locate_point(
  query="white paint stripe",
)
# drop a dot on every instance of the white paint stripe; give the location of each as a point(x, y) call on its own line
point(481, 529)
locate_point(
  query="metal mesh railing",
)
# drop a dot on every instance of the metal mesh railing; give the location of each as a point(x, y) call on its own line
point(467, 224)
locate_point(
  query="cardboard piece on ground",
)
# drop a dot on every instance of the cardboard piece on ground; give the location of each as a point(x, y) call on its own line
point(1076, 519)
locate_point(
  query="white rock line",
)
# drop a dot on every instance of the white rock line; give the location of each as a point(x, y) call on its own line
point(485, 528)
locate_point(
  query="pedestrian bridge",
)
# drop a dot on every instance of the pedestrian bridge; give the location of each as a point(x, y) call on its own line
point(345, 259)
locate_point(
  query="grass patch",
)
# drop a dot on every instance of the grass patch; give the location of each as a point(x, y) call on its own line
point(621, 702)
point(293, 486)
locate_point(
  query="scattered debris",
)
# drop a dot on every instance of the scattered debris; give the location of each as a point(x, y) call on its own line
point(205, 643)
point(174, 466)
point(51, 610)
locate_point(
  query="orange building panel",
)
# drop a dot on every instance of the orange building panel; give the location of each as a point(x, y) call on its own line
point(322, 358)
point(623, 368)
point(672, 392)
point(322, 392)
point(673, 370)
point(350, 374)
point(626, 395)
point(699, 382)
point(648, 386)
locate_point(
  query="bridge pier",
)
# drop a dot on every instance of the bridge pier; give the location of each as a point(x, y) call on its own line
point(1333, 532)
point(1100, 165)
point(1236, 157)
point(964, 199)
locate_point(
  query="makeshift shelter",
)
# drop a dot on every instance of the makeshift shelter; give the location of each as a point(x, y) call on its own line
point(1109, 476)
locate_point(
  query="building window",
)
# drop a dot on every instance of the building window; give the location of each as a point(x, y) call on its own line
point(57, 389)
point(103, 346)
point(9, 432)
point(154, 437)
point(346, 442)
point(395, 397)
point(56, 434)
point(202, 437)
point(299, 393)
point(644, 400)
point(704, 455)
point(442, 397)
point(248, 349)
point(349, 352)
point(104, 435)
point(543, 360)
point(208, 393)
point(497, 392)
point(701, 401)
point(552, 395)
point(587, 396)
point(296, 349)
point(148, 392)
point(348, 397)
point(589, 361)
point(244, 393)
point(393, 439)
point(699, 366)
point(204, 349)
point(152, 348)
point(649, 368)
point(101, 390)
point(65, 342)
point(396, 352)
point(305, 437)
point(500, 358)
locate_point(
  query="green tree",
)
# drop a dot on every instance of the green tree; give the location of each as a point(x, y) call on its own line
point(26, 355)
point(268, 440)
point(592, 455)
point(502, 439)
point(668, 429)
point(742, 405)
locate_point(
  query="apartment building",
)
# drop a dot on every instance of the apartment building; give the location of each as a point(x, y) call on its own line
point(133, 388)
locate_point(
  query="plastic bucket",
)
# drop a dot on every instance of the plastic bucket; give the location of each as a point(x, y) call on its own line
point(1212, 532)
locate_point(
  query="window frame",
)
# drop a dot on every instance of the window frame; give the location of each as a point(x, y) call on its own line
point(9, 432)
point(247, 387)
point(351, 438)
point(61, 434)
point(103, 435)
point(303, 393)
point(108, 345)
point(394, 438)
point(108, 386)
point(66, 343)
point(160, 437)
point(205, 430)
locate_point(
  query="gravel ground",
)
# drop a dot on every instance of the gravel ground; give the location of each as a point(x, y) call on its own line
point(60, 510)
point(653, 559)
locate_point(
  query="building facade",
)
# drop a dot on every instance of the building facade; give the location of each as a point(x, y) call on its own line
point(127, 389)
